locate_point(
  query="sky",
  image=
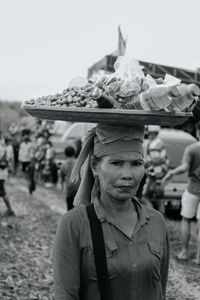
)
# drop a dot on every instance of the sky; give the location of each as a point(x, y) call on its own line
point(46, 43)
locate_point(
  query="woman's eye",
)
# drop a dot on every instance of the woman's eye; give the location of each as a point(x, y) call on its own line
point(138, 163)
point(116, 163)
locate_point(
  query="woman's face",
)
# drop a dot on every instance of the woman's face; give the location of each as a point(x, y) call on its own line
point(120, 175)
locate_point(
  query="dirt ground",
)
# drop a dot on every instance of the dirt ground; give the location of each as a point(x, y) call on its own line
point(27, 240)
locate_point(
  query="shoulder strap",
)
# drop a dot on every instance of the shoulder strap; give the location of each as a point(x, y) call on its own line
point(99, 253)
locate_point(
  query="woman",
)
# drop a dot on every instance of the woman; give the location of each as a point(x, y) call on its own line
point(135, 236)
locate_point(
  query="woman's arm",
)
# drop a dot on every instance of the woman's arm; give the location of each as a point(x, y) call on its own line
point(66, 260)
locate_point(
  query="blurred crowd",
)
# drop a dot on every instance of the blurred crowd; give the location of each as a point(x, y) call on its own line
point(31, 154)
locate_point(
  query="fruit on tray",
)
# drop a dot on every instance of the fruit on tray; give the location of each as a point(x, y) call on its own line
point(70, 97)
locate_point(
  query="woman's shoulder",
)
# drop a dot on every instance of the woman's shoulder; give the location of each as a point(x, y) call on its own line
point(75, 223)
point(75, 216)
point(154, 214)
point(75, 212)
point(156, 228)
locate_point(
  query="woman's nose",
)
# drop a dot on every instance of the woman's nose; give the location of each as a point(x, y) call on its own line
point(127, 173)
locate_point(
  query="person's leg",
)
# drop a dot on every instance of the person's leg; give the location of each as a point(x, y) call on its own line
point(188, 211)
point(197, 260)
point(9, 212)
point(31, 185)
point(7, 203)
point(5, 199)
point(185, 237)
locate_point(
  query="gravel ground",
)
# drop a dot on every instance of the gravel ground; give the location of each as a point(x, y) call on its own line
point(27, 241)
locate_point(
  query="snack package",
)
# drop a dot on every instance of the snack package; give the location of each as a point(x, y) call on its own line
point(129, 72)
point(126, 81)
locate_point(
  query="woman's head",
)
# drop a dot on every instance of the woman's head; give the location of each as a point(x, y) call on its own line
point(118, 174)
point(117, 161)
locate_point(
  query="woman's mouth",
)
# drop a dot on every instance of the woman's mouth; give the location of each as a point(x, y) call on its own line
point(125, 188)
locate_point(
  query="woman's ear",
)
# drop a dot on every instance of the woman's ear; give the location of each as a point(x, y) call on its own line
point(93, 165)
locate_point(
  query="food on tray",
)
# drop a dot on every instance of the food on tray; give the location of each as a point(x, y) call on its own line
point(127, 88)
point(70, 97)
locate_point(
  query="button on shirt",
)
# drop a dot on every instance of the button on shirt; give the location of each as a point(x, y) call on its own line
point(137, 265)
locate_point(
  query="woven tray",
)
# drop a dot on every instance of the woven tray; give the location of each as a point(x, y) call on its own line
point(109, 116)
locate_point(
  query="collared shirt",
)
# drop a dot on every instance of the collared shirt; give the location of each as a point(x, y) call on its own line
point(137, 265)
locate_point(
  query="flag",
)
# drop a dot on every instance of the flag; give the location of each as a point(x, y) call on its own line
point(121, 44)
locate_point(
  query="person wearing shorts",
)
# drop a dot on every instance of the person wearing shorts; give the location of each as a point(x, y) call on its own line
point(191, 197)
point(190, 206)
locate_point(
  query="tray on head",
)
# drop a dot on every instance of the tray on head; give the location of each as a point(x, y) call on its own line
point(109, 116)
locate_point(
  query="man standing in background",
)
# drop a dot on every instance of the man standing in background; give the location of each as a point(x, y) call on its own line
point(191, 197)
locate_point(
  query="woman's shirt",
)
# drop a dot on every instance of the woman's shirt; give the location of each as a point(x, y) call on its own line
point(137, 266)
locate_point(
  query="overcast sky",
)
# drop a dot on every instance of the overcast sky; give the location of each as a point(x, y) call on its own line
point(46, 43)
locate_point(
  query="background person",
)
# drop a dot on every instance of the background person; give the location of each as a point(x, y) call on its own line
point(49, 163)
point(70, 188)
point(40, 153)
point(10, 154)
point(191, 197)
point(15, 136)
point(26, 151)
point(156, 166)
point(135, 236)
point(4, 176)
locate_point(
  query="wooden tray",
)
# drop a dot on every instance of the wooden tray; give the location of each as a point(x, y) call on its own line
point(109, 116)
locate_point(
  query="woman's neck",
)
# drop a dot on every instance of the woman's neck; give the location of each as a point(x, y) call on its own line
point(117, 207)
